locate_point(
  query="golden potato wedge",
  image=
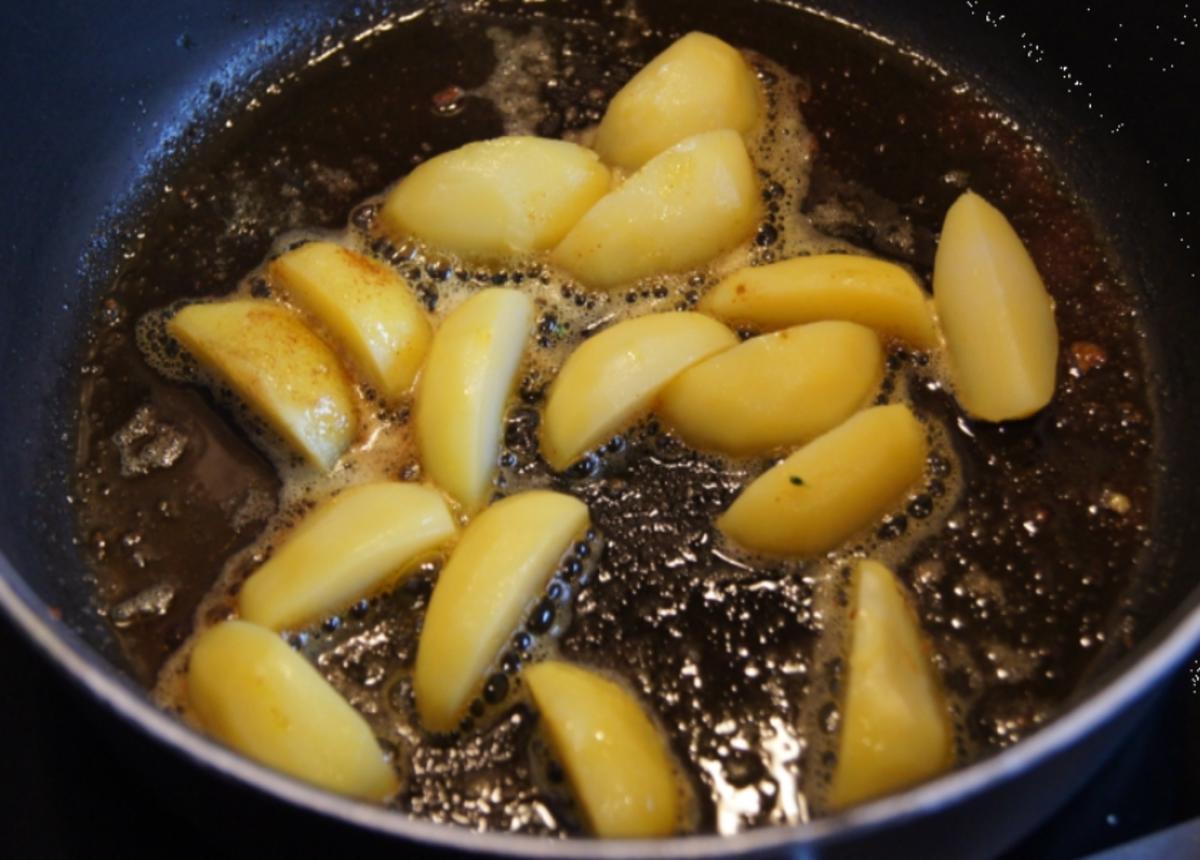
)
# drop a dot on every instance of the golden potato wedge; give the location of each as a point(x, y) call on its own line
point(347, 547)
point(777, 389)
point(832, 488)
point(283, 371)
point(870, 292)
point(682, 208)
point(895, 727)
point(698, 84)
point(500, 566)
point(254, 693)
point(616, 375)
point(995, 312)
point(615, 757)
point(367, 308)
point(468, 377)
point(496, 198)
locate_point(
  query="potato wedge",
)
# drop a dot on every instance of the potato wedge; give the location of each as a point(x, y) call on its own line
point(283, 372)
point(995, 312)
point(368, 309)
point(832, 488)
point(895, 727)
point(500, 566)
point(777, 389)
point(496, 198)
point(682, 208)
point(698, 84)
point(616, 375)
point(254, 693)
point(870, 292)
point(468, 377)
point(349, 546)
point(615, 757)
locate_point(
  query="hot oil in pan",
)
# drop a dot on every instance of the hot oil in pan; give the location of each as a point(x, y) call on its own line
point(1019, 547)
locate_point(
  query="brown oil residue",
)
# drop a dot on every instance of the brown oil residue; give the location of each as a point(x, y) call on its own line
point(1017, 565)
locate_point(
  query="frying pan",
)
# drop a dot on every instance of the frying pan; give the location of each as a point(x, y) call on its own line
point(101, 99)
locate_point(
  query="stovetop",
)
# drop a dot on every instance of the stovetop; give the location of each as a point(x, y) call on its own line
point(69, 793)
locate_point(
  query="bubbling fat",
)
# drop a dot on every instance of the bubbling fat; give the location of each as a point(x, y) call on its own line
point(636, 571)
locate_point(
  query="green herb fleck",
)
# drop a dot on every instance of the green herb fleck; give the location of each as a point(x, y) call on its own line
point(796, 480)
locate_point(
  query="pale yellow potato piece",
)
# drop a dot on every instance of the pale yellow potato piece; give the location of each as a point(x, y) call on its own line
point(615, 376)
point(615, 757)
point(996, 315)
point(697, 84)
point(496, 198)
point(833, 487)
point(895, 730)
point(500, 566)
point(777, 389)
point(870, 292)
point(367, 308)
point(254, 693)
point(283, 371)
point(682, 208)
point(349, 546)
point(468, 377)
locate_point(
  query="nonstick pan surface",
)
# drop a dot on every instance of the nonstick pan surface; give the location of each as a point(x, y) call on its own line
point(100, 100)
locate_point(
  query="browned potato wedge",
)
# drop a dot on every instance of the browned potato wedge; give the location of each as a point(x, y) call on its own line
point(366, 307)
point(470, 372)
point(283, 371)
point(895, 730)
point(777, 389)
point(496, 198)
point(251, 690)
point(681, 209)
point(996, 314)
point(697, 84)
point(614, 376)
point(870, 292)
point(614, 756)
point(502, 563)
point(833, 487)
point(347, 547)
